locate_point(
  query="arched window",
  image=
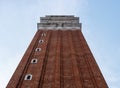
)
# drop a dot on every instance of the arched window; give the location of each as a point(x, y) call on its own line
point(28, 77)
point(41, 41)
point(43, 34)
point(38, 49)
point(34, 61)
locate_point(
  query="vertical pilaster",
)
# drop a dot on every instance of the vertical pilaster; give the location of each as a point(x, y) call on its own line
point(57, 61)
point(74, 62)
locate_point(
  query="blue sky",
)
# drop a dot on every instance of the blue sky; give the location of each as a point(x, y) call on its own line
point(100, 26)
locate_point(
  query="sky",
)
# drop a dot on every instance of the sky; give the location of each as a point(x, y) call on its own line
point(100, 25)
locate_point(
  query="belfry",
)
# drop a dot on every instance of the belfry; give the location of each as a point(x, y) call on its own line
point(58, 57)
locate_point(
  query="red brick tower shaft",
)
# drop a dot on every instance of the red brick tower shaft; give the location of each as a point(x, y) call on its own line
point(58, 57)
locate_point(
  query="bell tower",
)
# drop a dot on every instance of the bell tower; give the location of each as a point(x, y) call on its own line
point(58, 57)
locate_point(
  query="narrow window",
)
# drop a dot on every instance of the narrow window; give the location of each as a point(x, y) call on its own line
point(38, 49)
point(41, 41)
point(43, 34)
point(34, 61)
point(28, 77)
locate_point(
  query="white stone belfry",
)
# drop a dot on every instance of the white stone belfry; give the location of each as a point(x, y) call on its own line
point(59, 22)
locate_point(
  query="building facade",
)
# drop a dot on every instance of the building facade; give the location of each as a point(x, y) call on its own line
point(58, 57)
